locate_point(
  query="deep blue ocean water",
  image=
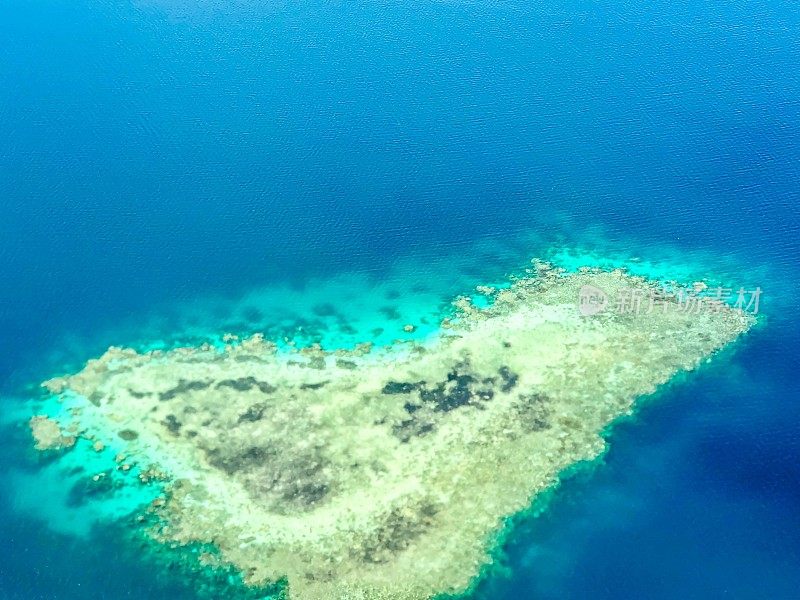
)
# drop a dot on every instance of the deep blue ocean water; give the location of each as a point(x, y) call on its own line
point(170, 169)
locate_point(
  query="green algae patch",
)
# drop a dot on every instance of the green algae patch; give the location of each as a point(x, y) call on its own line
point(389, 473)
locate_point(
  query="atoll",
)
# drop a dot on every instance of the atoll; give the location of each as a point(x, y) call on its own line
point(386, 472)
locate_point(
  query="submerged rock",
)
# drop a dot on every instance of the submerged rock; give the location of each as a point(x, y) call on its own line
point(48, 435)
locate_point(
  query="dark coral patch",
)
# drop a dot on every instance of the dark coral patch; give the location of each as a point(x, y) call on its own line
point(254, 413)
point(283, 480)
point(409, 428)
point(390, 312)
point(324, 310)
point(533, 411)
point(253, 315)
point(183, 387)
point(244, 384)
point(231, 462)
point(399, 387)
point(88, 489)
point(313, 386)
point(399, 529)
point(457, 390)
point(509, 379)
point(172, 424)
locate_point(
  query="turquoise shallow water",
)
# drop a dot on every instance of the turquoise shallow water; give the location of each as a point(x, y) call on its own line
point(322, 170)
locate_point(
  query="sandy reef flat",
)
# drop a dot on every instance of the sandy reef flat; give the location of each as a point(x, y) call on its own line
point(384, 473)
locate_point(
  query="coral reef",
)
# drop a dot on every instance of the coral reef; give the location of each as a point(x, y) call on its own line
point(384, 472)
point(48, 435)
